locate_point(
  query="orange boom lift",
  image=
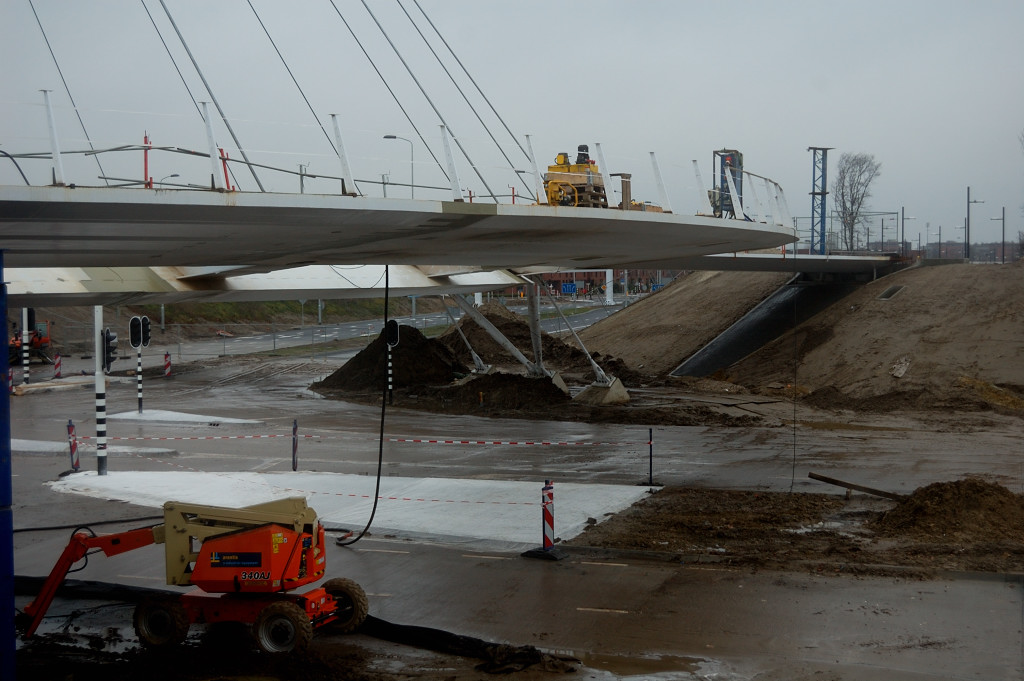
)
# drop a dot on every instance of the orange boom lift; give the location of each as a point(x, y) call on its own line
point(242, 564)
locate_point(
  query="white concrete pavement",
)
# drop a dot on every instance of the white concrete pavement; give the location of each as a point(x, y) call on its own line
point(441, 508)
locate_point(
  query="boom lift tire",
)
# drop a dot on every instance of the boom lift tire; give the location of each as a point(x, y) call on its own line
point(282, 627)
point(353, 606)
point(160, 622)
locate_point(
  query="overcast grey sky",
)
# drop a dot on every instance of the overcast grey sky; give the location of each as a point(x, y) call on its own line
point(933, 89)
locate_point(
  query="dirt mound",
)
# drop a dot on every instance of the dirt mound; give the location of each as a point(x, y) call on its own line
point(416, 361)
point(969, 510)
point(690, 520)
point(933, 337)
point(965, 395)
point(825, 533)
point(659, 332)
point(499, 393)
point(557, 354)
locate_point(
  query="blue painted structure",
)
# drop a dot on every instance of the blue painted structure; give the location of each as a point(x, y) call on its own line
point(819, 191)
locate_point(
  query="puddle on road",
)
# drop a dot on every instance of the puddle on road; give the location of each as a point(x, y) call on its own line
point(634, 666)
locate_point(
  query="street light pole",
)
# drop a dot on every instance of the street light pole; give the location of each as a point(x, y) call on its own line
point(1002, 248)
point(903, 232)
point(412, 164)
point(967, 226)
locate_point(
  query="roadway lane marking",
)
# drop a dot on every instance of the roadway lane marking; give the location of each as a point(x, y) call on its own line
point(379, 595)
point(381, 551)
point(605, 610)
point(269, 463)
point(470, 555)
point(586, 562)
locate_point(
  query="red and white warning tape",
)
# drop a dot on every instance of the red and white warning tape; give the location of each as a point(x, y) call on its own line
point(349, 495)
point(532, 443)
point(529, 443)
point(201, 437)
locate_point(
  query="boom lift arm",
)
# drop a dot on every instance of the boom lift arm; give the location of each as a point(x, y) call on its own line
point(77, 548)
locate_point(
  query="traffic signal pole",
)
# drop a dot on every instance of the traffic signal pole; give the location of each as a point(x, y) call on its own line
point(101, 391)
point(138, 336)
point(138, 376)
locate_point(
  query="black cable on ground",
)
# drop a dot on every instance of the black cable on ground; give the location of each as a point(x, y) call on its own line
point(380, 444)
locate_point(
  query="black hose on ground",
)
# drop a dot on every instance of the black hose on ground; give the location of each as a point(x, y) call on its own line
point(344, 540)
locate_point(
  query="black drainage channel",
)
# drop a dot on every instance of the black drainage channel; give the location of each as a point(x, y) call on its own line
point(793, 304)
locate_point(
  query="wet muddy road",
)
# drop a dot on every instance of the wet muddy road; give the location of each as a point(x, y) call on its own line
point(622, 615)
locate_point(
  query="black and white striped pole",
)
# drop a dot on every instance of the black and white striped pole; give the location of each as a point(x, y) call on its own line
point(101, 348)
point(391, 338)
point(26, 342)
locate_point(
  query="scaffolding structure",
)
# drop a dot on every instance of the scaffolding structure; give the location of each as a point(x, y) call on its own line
point(819, 192)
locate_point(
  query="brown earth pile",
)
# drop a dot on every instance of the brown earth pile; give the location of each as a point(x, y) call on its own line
point(944, 337)
point(969, 510)
point(964, 525)
point(656, 334)
point(555, 352)
point(416, 361)
point(693, 521)
point(498, 395)
point(425, 371)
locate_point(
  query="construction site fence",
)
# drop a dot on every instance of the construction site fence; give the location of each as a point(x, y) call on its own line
point(194, 340)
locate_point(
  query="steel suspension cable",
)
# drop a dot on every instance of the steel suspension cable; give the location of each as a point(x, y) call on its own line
point(288, 69)
point(174, 62)
point(471, 79)
point(472, 108)
point(392, 92)
point(74, 106)
point(213, 97)
point(429, 100)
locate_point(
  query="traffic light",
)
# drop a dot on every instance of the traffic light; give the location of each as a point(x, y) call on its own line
point(135, 332)
point(391, 333)
point(109, 348)
point(146, 335)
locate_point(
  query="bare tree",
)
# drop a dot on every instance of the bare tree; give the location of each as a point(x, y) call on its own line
point(851, 189)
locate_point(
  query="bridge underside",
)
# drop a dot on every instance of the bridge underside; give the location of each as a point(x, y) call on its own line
point(74, 286)
point(111, 227)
